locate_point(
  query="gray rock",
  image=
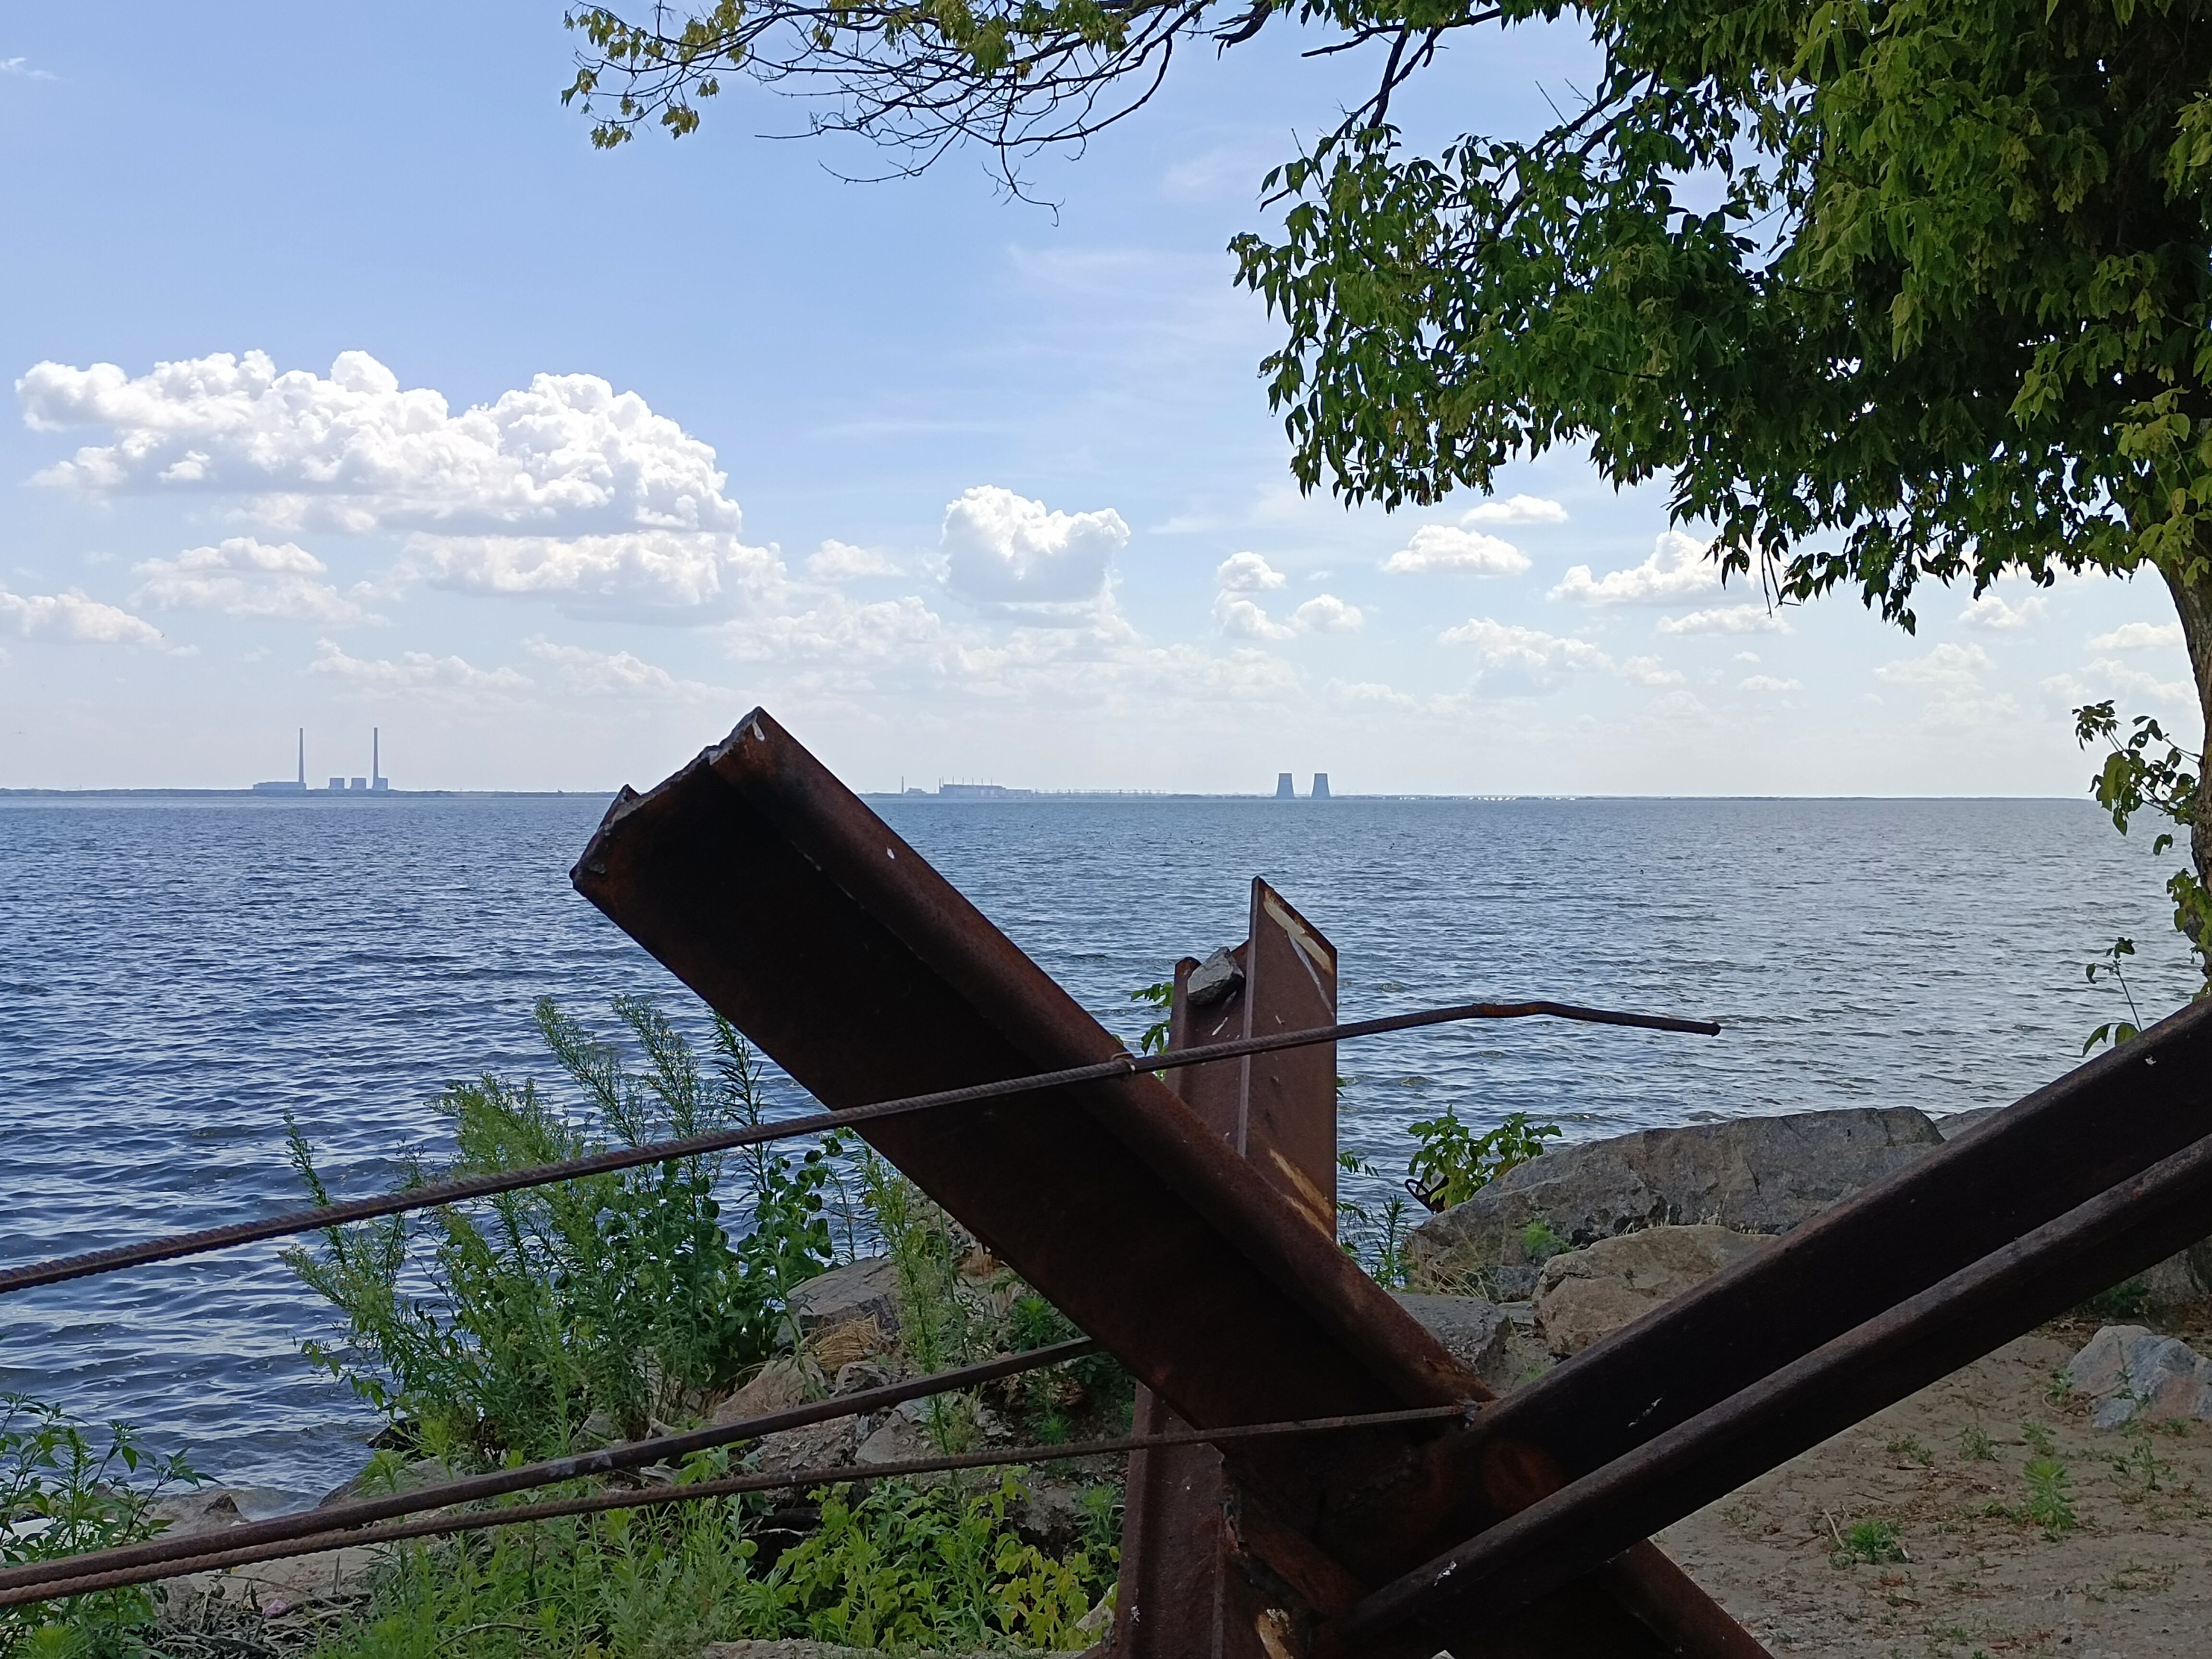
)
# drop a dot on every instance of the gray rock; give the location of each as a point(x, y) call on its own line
point(900, 1435)
point(1473, 1331)
point(816, 1446)
point(1213, 979)
point(867, 1289)
point(1587, 1294)
point(2132, 1372)
point(1957, 1123)
point(791, 1380)
point(1760, 1175)
point(858, 1374)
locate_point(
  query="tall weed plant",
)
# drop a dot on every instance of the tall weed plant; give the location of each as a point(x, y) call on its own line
point(64, 1491)
point(530, 1320)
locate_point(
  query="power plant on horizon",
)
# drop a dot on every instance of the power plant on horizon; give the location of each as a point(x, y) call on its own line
point(376, 783)
point(1284, 791)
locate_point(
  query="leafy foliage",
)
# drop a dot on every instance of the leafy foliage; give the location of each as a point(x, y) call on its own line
point(2147, 771)
point(609, 1302)
point(1451, 1162)
point(63, 1492)
point(1160, 999)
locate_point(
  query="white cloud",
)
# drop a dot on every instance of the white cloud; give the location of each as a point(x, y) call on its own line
point(1649, 670)
point(1727, 619)
point(1767, 685)
point(1442, 547)
point(1248, 572)
point(74, 615)
point(1514, 661)
point(619, 674)
point(567, 454)
point(413, 671)
point(243, 577)
point(1745, 656)
point(2140, 636)
point(1991, 611)
point(1324, 613)
point(22, 67)
point(838, 629)
point(1949, 666)
point(1678, 569)
point(566, 489)
point(1243, 618)
point(842, 561)
point(2109, 677)
point(650, 573)
point(1004, 549)
point(1515, 509)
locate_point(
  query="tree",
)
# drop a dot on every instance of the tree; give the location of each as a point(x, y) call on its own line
point(1944, 314)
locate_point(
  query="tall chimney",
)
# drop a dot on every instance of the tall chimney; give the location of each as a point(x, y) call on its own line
point(303, 757)
point(376, 764)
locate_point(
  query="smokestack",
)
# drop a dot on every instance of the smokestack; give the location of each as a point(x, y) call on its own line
point(1321, 786)
point(303, 757)
point(375, 753)
point(1283, 790)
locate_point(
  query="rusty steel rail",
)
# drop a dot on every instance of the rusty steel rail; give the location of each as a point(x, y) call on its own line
point(1922, 1340)
point(215, 1552)
point(775, 893)
point(608, 1460)
point(462, 1189)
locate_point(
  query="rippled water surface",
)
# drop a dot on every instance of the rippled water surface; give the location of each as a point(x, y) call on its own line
point(176, 974)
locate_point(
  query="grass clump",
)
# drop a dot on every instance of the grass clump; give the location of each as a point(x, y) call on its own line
point(1873, 1542)
point(2050, 1503)
point(63, 1490)
point(591, 1308)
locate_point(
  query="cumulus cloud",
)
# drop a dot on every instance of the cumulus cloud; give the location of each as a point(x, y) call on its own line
point(842, 561)
point(903, 629)
point(565, 488)
point(649, 574)
point(2110, 677)
point(1727, 619)
point(243, 577)
point(1992, 612)
point(1515, 509)
point(1005, 548)
point(1949, 665)
point(1649, 670)
point(2140, 636)
point(617, 674)
point(1442, 547)
point(75, 617)
point(1241, 616)
point(1767, 685)
point(1677, 569)
point(1513, 660)
point(1324, 613)
point(413, 671)
point(1246, 573)
point(20, 68)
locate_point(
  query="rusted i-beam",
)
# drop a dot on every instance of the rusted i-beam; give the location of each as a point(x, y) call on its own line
point(775, 893)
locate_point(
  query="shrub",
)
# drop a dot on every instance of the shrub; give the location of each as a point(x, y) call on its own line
point(63, 1492)
point(609, 1302)
point(1451, 1162)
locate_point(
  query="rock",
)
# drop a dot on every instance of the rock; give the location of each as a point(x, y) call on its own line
point(1213, 979)
point(413, 1477)
point(1473, 1331)
point(816, 1446)
point(867, 1289)
point(859, 1375)
point(777, 1386)
point(1957, 1123)
point(2132, 1372)
point(1755, 1174)
point(1586, 1294)
point(184, 1513)
point(900, 1434)
point(1052, 1513)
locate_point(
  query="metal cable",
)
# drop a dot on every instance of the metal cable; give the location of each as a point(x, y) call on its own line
point(436, 1194)
point(15, 1587)
point(608, 1460)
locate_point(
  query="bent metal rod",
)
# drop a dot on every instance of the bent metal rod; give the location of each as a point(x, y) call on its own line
point(80, 1575)
point(436, 1194)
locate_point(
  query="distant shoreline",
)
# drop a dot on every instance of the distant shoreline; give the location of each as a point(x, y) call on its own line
point(916, 798)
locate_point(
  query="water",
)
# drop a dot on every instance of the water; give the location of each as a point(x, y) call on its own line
point(176, 974)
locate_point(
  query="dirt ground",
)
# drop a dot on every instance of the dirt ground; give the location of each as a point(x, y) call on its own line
point(1947, 1471)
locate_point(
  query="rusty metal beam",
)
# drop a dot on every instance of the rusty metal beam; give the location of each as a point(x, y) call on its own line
point(774, 892)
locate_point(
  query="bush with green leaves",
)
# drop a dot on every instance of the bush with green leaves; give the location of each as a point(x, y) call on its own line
point(63, 1490)
point(514, 1324)
point(1451, 1162)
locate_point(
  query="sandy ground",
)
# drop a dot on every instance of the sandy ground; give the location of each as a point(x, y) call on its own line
point(2132, 1578)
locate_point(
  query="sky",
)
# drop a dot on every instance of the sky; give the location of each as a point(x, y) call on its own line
point(353, 389)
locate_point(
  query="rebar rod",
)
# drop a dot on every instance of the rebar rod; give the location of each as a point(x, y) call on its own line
point(461, 1190)
point(15, 1589)
point(608, 1460)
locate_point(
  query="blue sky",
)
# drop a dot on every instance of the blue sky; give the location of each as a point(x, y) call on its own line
point(550, 463)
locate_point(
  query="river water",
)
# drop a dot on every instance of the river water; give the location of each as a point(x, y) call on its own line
point(176, 974)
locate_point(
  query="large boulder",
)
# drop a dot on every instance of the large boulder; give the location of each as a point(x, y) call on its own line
point(862, 1290)
point(2131, 1373)
point(1757, 1175)
point(1586, 1294)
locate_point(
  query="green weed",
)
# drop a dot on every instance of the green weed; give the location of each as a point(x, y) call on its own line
point(1451, 1162)
point(1873, 1542)
point(1974, 1444)
point(2049, 1504)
